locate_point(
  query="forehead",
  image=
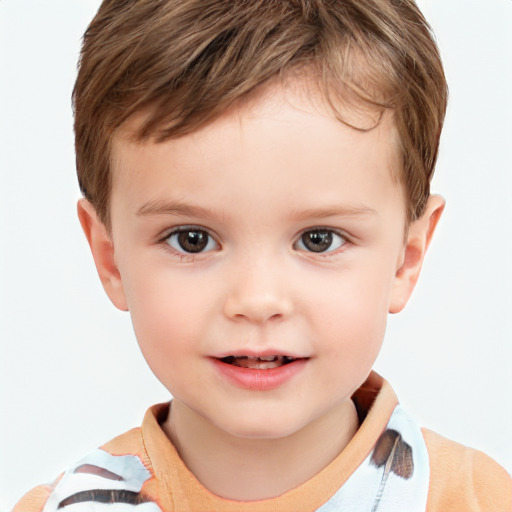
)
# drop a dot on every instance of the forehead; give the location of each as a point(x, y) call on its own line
point(283, 124)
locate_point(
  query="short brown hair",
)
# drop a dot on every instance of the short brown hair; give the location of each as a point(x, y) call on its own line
point(186, 61)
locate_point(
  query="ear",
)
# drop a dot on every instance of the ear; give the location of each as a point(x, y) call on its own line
point(418, 239)
point(102, 250)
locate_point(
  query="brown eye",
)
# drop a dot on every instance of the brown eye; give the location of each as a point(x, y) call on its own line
point(191, 241)
point(320, 240)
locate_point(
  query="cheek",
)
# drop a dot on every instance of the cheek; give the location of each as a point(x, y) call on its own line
point(167, 326)
point(165, 311)
point(353, 311)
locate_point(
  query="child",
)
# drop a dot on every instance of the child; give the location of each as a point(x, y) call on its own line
point(256, 181)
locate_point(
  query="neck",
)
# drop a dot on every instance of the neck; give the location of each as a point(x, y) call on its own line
point(245, 469)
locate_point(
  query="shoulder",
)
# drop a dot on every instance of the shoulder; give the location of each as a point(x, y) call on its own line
point(117, 468)
point(463, 479)
point(34, 500)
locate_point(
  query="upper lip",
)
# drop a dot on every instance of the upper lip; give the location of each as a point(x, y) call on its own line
point(259, 353)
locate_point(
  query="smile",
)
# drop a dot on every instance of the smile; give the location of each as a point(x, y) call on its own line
point(259, 373)
point(258, 363)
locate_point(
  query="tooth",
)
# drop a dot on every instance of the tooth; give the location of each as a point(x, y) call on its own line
point(267, 365)
point(261, 363)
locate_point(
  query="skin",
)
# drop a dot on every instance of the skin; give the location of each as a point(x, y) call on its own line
point(256, 180)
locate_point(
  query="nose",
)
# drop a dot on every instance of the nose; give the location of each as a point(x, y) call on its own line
point(258, 293)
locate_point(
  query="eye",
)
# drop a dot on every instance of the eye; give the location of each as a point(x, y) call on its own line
point(320, 240)
point(191, 240)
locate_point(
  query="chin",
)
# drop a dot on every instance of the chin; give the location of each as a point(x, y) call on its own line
point(260, 426)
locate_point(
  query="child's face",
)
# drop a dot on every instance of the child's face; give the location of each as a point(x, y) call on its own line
point(275, 231)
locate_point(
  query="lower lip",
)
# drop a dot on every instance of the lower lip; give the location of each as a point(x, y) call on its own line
point(260, 380)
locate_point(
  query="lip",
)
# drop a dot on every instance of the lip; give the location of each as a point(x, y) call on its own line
point(259, 380)
point(258, 353)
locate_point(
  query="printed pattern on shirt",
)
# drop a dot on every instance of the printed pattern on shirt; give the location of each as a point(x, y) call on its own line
point(394, 476)
point(103, 482)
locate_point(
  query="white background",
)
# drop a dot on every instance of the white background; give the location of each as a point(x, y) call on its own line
point(71, 376)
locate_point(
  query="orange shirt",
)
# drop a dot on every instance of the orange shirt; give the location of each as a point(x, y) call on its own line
point(460, 479)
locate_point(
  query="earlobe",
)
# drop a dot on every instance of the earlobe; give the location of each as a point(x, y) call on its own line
point(103, 253)
point(418, 239)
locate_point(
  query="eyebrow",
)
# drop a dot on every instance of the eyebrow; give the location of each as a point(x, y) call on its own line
point(335, 211)
point(158, 207)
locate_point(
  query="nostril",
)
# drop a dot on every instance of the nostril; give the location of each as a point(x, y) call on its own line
point(257, 310)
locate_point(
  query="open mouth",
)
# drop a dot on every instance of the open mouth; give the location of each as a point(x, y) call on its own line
point(258, 363)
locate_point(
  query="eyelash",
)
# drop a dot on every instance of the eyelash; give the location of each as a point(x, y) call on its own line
point(190, 255)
